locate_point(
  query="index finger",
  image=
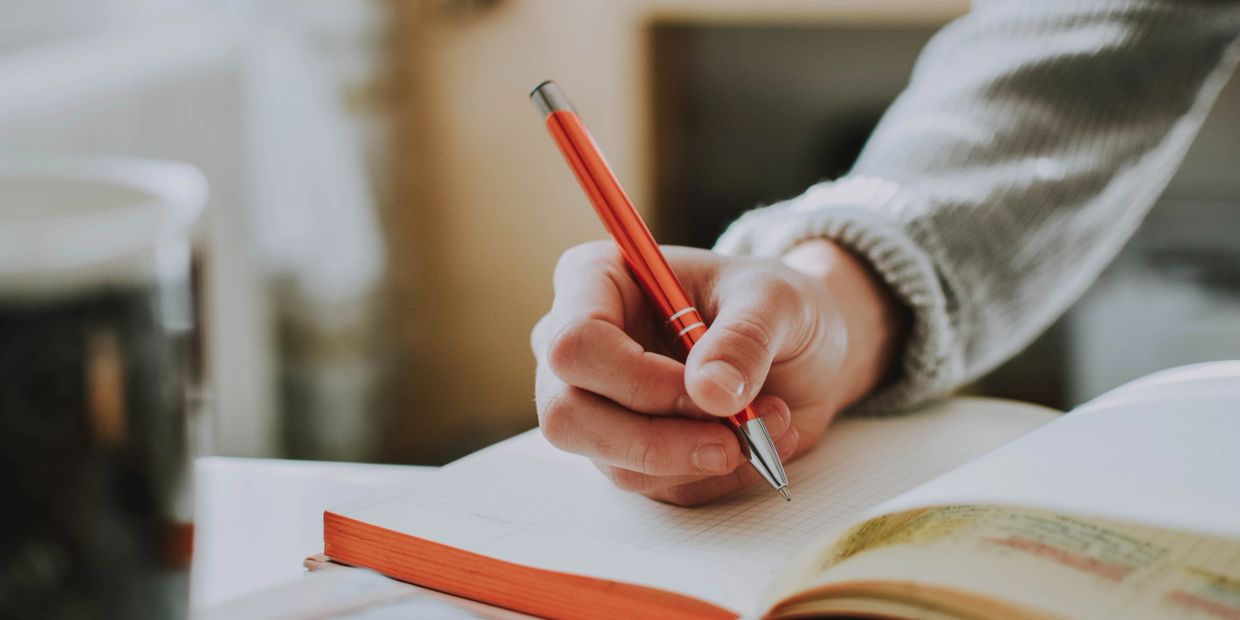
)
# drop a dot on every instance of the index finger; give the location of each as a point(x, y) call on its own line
point(584, 342)
point(590, 283)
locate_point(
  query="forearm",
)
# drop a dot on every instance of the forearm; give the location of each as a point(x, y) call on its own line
point(1027, 148)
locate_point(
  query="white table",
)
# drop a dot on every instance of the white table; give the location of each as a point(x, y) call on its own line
point(255, 520)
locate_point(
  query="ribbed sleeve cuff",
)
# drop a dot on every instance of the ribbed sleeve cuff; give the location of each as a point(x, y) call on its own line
point(865, 215)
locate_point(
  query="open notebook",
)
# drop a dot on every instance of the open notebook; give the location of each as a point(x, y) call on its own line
point(1128, 505)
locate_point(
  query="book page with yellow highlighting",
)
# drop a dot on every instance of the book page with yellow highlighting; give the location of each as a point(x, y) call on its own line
point(967, 560)
point(1163, 451)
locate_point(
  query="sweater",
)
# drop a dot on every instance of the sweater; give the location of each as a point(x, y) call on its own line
point(1031, 140)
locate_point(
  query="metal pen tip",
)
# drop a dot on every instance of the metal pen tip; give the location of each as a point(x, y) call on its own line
point(784, 491)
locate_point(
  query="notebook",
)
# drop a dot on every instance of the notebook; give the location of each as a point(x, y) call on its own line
point(1127, 506)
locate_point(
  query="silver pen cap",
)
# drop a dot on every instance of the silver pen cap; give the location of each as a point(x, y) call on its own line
point(548, 98)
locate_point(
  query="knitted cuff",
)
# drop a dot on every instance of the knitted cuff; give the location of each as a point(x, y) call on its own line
point(863, 214)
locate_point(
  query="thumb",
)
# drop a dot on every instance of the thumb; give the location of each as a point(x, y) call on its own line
point(727, 367)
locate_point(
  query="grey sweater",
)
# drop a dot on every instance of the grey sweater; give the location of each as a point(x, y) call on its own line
point(1031, 141)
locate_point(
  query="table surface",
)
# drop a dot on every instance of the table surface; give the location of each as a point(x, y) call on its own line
point(257, 519)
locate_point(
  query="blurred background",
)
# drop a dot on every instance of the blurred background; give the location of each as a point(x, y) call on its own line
point(386, 208)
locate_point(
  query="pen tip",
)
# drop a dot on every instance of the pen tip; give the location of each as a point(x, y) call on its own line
point(784, 491)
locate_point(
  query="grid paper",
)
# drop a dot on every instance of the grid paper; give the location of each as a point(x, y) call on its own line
point(525, 502)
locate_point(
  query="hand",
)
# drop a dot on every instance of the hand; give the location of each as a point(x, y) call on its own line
point(801, 338)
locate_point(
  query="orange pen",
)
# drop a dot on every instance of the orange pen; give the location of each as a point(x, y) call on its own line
point(645, 262)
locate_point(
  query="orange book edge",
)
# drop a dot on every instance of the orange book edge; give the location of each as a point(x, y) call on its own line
point(474, 576)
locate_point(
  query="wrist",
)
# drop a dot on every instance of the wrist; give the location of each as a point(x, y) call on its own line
point(874, 319)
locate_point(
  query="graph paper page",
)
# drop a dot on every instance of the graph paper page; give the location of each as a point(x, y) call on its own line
point(525, 502)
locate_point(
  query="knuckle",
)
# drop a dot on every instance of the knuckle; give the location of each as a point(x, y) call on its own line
point(556, 420)
point(584, 253)
point(565, 347)
point(629, 480)
point(747, 337)
point(644, 394)
point(682, 495)
point(538, 335)
point(748, 332)
point(649, 453)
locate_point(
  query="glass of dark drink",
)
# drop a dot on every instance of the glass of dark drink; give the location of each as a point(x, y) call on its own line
point(98, 360)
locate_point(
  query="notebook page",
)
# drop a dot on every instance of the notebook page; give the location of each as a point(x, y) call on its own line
point(1163, 451)
point(525, 502)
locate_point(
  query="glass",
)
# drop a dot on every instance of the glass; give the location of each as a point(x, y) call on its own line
point(98, 360)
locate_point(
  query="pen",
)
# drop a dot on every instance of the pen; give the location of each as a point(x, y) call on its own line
point(645, 262)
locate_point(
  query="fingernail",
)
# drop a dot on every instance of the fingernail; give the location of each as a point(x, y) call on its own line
point(709, 458)
point(726, 376)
